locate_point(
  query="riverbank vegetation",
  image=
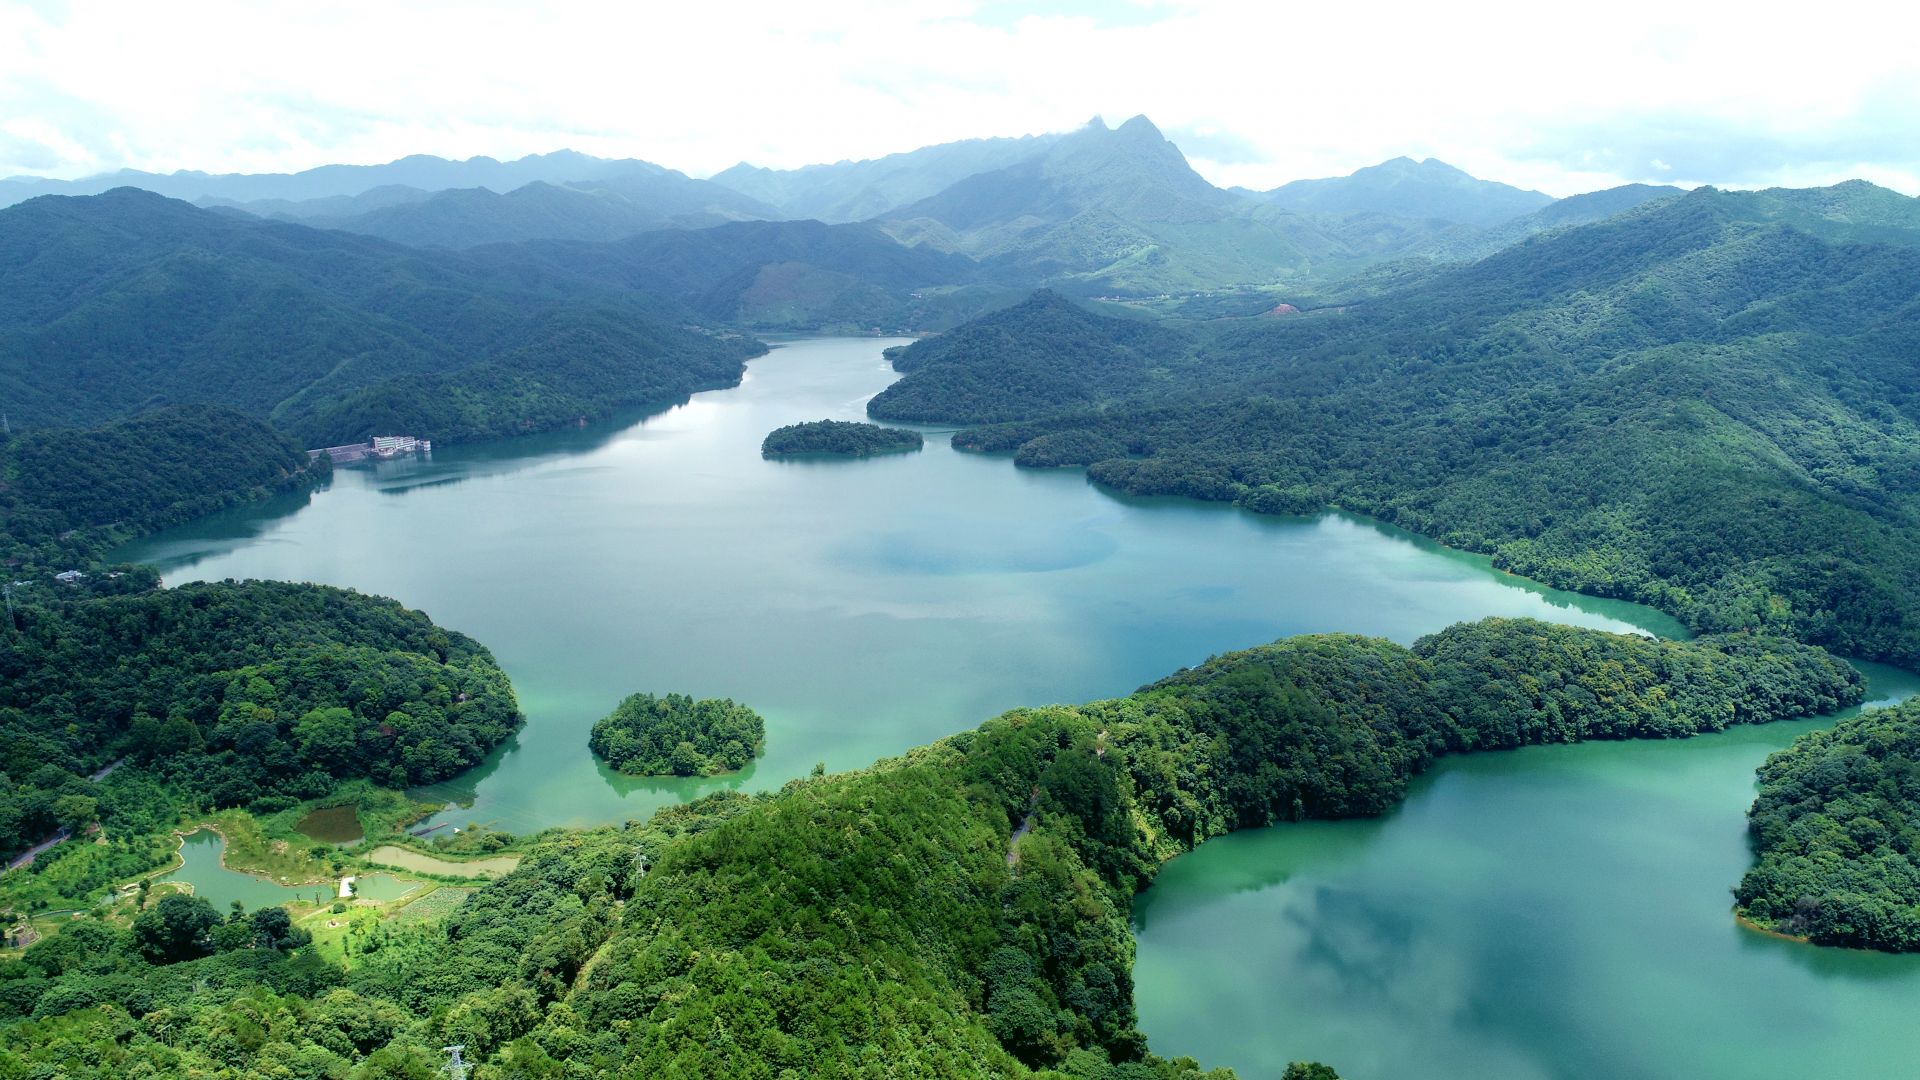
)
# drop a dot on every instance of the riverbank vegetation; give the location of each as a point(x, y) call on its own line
point(886, 921)
point(678, 736)
point(838, 438)
point(1836, 835)
point(1598, 409)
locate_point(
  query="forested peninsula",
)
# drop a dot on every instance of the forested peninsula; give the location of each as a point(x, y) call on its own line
point(961, 910)
point(838, 438)
point(1835, 830)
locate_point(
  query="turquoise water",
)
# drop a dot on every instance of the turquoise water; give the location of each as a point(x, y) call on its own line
point(219, 886)
point(1557, 912)
point(863, 607)
point(1554, 912)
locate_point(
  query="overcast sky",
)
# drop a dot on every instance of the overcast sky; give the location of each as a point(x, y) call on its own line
point(1256, 93)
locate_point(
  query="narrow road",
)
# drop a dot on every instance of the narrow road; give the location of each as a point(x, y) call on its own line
point(33, 852)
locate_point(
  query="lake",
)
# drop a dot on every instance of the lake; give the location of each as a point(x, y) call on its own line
point(1559, 912)
point(863, 607)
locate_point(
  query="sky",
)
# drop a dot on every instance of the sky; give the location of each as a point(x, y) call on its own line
point(1549, 96)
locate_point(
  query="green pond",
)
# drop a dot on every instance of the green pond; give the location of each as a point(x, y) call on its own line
point(200, 854)
point(868, 606)
point(332, 825)
point(382, 887)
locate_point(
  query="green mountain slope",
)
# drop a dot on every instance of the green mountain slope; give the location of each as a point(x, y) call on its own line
point(1046, 352)
point(117, 303)
point(1688, 405)
point(788, 274)
point(66, 495)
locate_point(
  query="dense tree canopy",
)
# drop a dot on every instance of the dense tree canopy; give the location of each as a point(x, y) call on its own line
point(1836, 832)
point(678, 736)
point(113, 303)
point(230, 694)
point(838, 438)
point(960, 911)
point(66, 495)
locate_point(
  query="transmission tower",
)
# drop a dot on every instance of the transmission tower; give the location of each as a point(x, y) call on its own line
point(456, 1068)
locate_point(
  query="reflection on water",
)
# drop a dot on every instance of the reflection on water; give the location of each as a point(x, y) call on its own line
point(200, 852)
point(863, 607)
point(1556, 913)
point(1549, 912)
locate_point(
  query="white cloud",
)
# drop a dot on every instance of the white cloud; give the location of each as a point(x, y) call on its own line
point(1543, 96)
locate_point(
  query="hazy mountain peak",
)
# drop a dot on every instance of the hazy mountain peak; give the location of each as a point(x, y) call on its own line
point(1429, 189)
point(1140, 126)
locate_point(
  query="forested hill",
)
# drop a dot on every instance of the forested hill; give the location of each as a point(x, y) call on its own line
point(115, 303)
point(66, 495)
point(1691, 404)
point(961, 911)
point(784, 274)
point(1045, 353)
point(225, 694)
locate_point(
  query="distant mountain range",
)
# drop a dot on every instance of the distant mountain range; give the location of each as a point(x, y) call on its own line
point(422, 171)
point(1094, 210)
point(862, 190)
point(613, 206)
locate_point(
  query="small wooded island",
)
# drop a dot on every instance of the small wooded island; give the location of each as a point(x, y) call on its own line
point(678, 736)
point(838, 438)
point(1834, 833)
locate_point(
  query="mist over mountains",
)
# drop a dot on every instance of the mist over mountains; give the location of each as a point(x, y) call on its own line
point(1097, 210)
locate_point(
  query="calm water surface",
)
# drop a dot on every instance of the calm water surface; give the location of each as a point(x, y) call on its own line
point(863, 607)
point(1549, 913)
point(1555, 912)
point(200, 867)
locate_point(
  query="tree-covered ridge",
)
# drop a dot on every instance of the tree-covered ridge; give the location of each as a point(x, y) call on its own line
point(678, 736)
point(767, 274)
point(65, 494)
point(892, 910)
point(229, 694)
point(960, 911)
point(1836, 835)
point(112, 303)
point(1043, 355)
point(1689, 405)
point(838, 438)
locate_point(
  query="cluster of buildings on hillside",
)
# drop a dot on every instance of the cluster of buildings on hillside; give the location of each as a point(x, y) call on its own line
point(381, 447)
